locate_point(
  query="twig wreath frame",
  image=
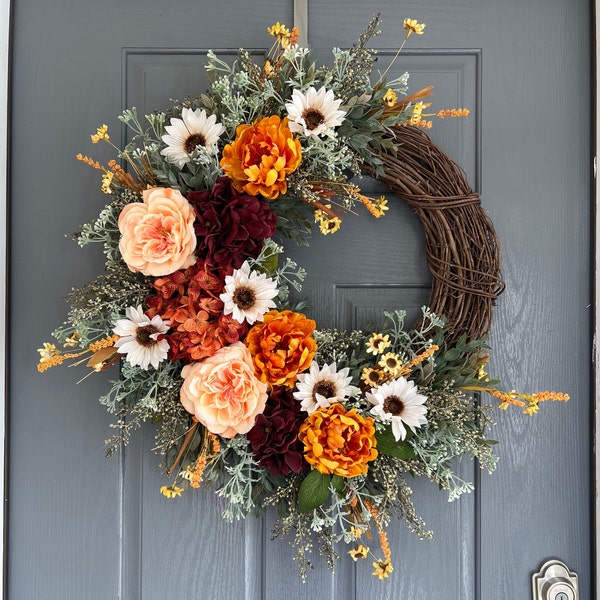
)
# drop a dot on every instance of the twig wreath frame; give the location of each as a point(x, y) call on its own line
point(462, 248)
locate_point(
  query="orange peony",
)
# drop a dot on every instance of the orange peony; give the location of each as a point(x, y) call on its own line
point(282, 346)
point(261, 156)
point(338, 442)
point(157, 235)
point(222, 391)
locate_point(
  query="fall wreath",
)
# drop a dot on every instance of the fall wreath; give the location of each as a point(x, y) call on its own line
point(248, 395)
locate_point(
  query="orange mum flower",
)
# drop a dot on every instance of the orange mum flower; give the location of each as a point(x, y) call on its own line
point(261, 156)
point(282, 346)
point(338, 442)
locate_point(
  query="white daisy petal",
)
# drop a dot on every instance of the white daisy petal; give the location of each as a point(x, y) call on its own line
point(321, 387)
point(398, 429)
point(398, 401)
point(314, 112)
point(138, 338)
point(248, 295)
point(184, 135)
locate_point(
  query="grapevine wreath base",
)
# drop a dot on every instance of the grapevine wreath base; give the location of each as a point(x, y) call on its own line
point(248, 395)
point(462, 248)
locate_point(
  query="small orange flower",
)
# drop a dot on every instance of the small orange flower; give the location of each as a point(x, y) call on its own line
point(282, 346)
point(261, 156)
point(338, 442)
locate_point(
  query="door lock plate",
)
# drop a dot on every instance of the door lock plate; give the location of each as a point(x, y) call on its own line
point(555, 581)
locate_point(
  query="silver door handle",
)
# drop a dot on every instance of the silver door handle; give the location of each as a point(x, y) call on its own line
point(555, 581)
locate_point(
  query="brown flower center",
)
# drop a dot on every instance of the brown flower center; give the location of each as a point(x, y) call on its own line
point(244, 297)
point(374, 376)
point(393, 405)
point(196, 139)
point(142, 335)
point(325, 388)
point(313, 118)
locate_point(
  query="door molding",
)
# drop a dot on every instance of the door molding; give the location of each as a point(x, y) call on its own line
point(596, 307)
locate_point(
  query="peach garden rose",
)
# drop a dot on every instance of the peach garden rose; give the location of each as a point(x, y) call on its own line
point(223, 392)
point(157, 235)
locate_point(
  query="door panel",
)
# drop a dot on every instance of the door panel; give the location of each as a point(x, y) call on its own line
point(98, 528)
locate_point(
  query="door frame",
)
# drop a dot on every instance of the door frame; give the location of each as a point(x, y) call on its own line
point(5, 72)
point(5, 54)
point(596, 304)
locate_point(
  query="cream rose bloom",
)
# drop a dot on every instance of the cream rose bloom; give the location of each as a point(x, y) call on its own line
point(223, 392)
point(157, 235)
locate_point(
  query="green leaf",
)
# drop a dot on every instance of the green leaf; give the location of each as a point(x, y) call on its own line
point(337, 482)
point(452, 354)
point(314, 490)
point(271, 263)
point(387, 444)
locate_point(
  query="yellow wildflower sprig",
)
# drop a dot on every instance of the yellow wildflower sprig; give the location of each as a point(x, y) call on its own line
point(51, 356)
point(348, 194)
point(117, 172)
point(192, 475)
point(417, 360)
point(284, 39)
point(110, 174)
point(171, 491)
point(376, 207)
point(209, 449)
point(410, 26)
point(379, 374)
point(452, 113)
point(327, 223)
point(417, 117)
point(528, 402)
point(383, 567)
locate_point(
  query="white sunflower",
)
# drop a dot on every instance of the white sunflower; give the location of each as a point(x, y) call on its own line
point(319, 388)
point(399, 402)
point(139, 338)
point(248, 295)
point(184, 135)
point(315, 112)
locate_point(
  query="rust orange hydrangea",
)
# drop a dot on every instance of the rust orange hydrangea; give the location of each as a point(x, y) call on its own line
point(282, 346)
point(338, 442)
point(261, 157)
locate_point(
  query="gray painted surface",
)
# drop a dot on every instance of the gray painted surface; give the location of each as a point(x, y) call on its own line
point(82, 526)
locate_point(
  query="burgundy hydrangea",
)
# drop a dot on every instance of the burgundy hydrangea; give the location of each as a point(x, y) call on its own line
point(230, 226)
point(274, 437)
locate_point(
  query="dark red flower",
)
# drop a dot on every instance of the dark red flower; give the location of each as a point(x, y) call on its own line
point(230, 226)
point(274, 437)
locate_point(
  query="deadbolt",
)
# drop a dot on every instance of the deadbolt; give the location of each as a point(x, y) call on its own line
point(555, 581)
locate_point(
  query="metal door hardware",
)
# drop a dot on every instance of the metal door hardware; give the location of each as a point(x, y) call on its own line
point(555, 581)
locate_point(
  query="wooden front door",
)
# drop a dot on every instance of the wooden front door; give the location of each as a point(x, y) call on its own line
point(83, 526)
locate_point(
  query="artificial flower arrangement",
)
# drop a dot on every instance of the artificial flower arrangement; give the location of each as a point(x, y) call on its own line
point(196, 306)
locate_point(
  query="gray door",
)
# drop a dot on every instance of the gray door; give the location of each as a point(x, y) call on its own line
point(83, 526)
